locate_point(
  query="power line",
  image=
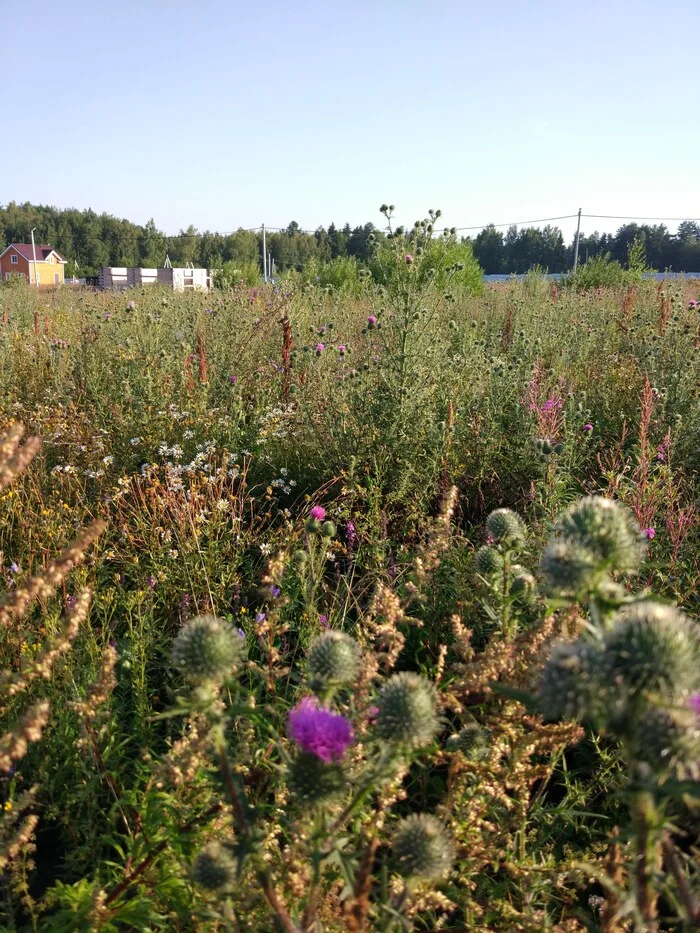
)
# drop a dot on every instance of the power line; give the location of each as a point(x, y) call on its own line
point(619, 217)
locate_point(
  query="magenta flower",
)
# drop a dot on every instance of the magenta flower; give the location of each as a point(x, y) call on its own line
point(692, 305)
point(409, 259)
point(320, 347)
point(588, 427)
point(661, 453)
point(342, 349)
point(649, 533)
point(694, 703)
point(318, 513)
point(233, 380)
point(319, 731)
point(323, 622)
point(371, 320)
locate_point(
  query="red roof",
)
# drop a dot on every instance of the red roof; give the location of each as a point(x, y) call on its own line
point(42, 251)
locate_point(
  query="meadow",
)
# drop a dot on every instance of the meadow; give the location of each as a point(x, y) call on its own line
point(351, 606)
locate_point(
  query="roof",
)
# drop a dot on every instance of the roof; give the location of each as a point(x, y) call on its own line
point(25, 250)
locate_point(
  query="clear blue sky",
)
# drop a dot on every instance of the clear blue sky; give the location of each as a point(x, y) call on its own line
point(224, 114)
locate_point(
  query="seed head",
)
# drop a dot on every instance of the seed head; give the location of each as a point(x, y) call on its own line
point(214, 868)
point(570, 685)
point(313, 781)
point(488, 561)
point(505, 527)
point(407, 713)
point(333, 659)
point(207, 649)
point(654, 648)
point(422, 848)
point(606, 529)
point(568, 567)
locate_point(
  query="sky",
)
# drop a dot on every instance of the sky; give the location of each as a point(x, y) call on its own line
point(223, 114)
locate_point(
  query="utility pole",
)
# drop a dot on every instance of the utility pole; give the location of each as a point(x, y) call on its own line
point(36, 280)
point(578, 237)
point(264, 255)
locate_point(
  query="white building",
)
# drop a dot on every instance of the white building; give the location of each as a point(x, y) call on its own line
point(180, 280)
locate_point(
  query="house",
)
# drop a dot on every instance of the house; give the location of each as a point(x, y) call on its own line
point(180, 280)
point(18, 259)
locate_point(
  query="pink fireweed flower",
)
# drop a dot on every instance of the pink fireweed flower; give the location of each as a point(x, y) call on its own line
point(318, 513)
point(649, 533)
point(694, 703)
point(588, 427)
point(319, 731)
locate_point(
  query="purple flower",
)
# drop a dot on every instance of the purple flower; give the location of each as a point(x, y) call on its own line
point(240, 633)
point(342, 349)
point(692, 305)
point(694, 703)
point(371, 320)
point(71, 601)
point(551, 404)
point(588, 427)
point(320, 347)
point(233, 380)
point(260, 618)
point(409, 259)
point(208, 310)
point(14, 568)
point(318, 513)
point(319, 731)
point(275, 591)
point(323, 622)
point(661, 453)
point(151, 582)
point(649, 533)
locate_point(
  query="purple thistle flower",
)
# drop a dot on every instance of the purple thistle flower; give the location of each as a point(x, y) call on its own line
point(323, 622)
point(694, 703)
point(318, 513)
point(649, 533)
point(320, 347)
point(151, 582)
point(588, 427)
point(319, 731)
point(372, 320)
point(342, 349)
point(233, 380)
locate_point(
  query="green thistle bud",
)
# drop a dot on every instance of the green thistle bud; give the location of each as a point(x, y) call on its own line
point(568, 568)
point(488, 561)
point(407, 711)
point(333, 659)
point(214, 868)
point(522, 583)
point(301, 558)
point(668, 739)
point(207, 649)
point(571, 686)
point(471, 741)
point(606, 529)
point(328, 530)
point(505, 526)
point(653, 648)
point(313, 525)
point(313, 781)
point(422, 848)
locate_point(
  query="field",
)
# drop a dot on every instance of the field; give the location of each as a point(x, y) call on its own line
point(400, 705)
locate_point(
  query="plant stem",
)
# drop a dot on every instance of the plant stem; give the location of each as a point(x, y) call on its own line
point(646, 857)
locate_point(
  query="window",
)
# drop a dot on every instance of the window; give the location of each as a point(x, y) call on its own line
point(56, 278)
point(14, 260)
point(51, 259)
point(14, 275)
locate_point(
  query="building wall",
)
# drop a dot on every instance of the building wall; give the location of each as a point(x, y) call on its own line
point(6, 265)
point(46, 272)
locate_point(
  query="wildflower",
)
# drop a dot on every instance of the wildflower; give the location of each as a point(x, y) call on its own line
point(14, 568)
point(649, 533)
point(151, 582)
point(134, 441)
point(233, 380)
point(260, 618)
point(323, 622)
point(342, 349)
point(661, 453)
point(275, 591)
point(131, 305)
point(588, 427)
point(692, 305)
point(265, 549)
point(409, 259)
point(694, 703)
point(371, 321)
point(320, 347)
point(318, 513)
point(319, 731)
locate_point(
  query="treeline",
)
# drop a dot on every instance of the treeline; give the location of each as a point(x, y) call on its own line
point(521, 250)
point(89, 241)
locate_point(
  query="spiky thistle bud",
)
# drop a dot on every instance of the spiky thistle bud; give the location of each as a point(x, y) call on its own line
point(471, 741)
point(407, 713)
point(333, 659)
point(522, 583)
point(207, 649)
point(505, 527)
point(214, 868)
point(668, 739)
point(313, 782)
point(568, 568)
point(488, 561)
point(606, 529)
point(422, 848)
point(328, 529)
point(570, 685)
point(654, 648)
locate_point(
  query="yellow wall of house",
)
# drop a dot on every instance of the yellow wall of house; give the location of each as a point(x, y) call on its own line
point(46, 272)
